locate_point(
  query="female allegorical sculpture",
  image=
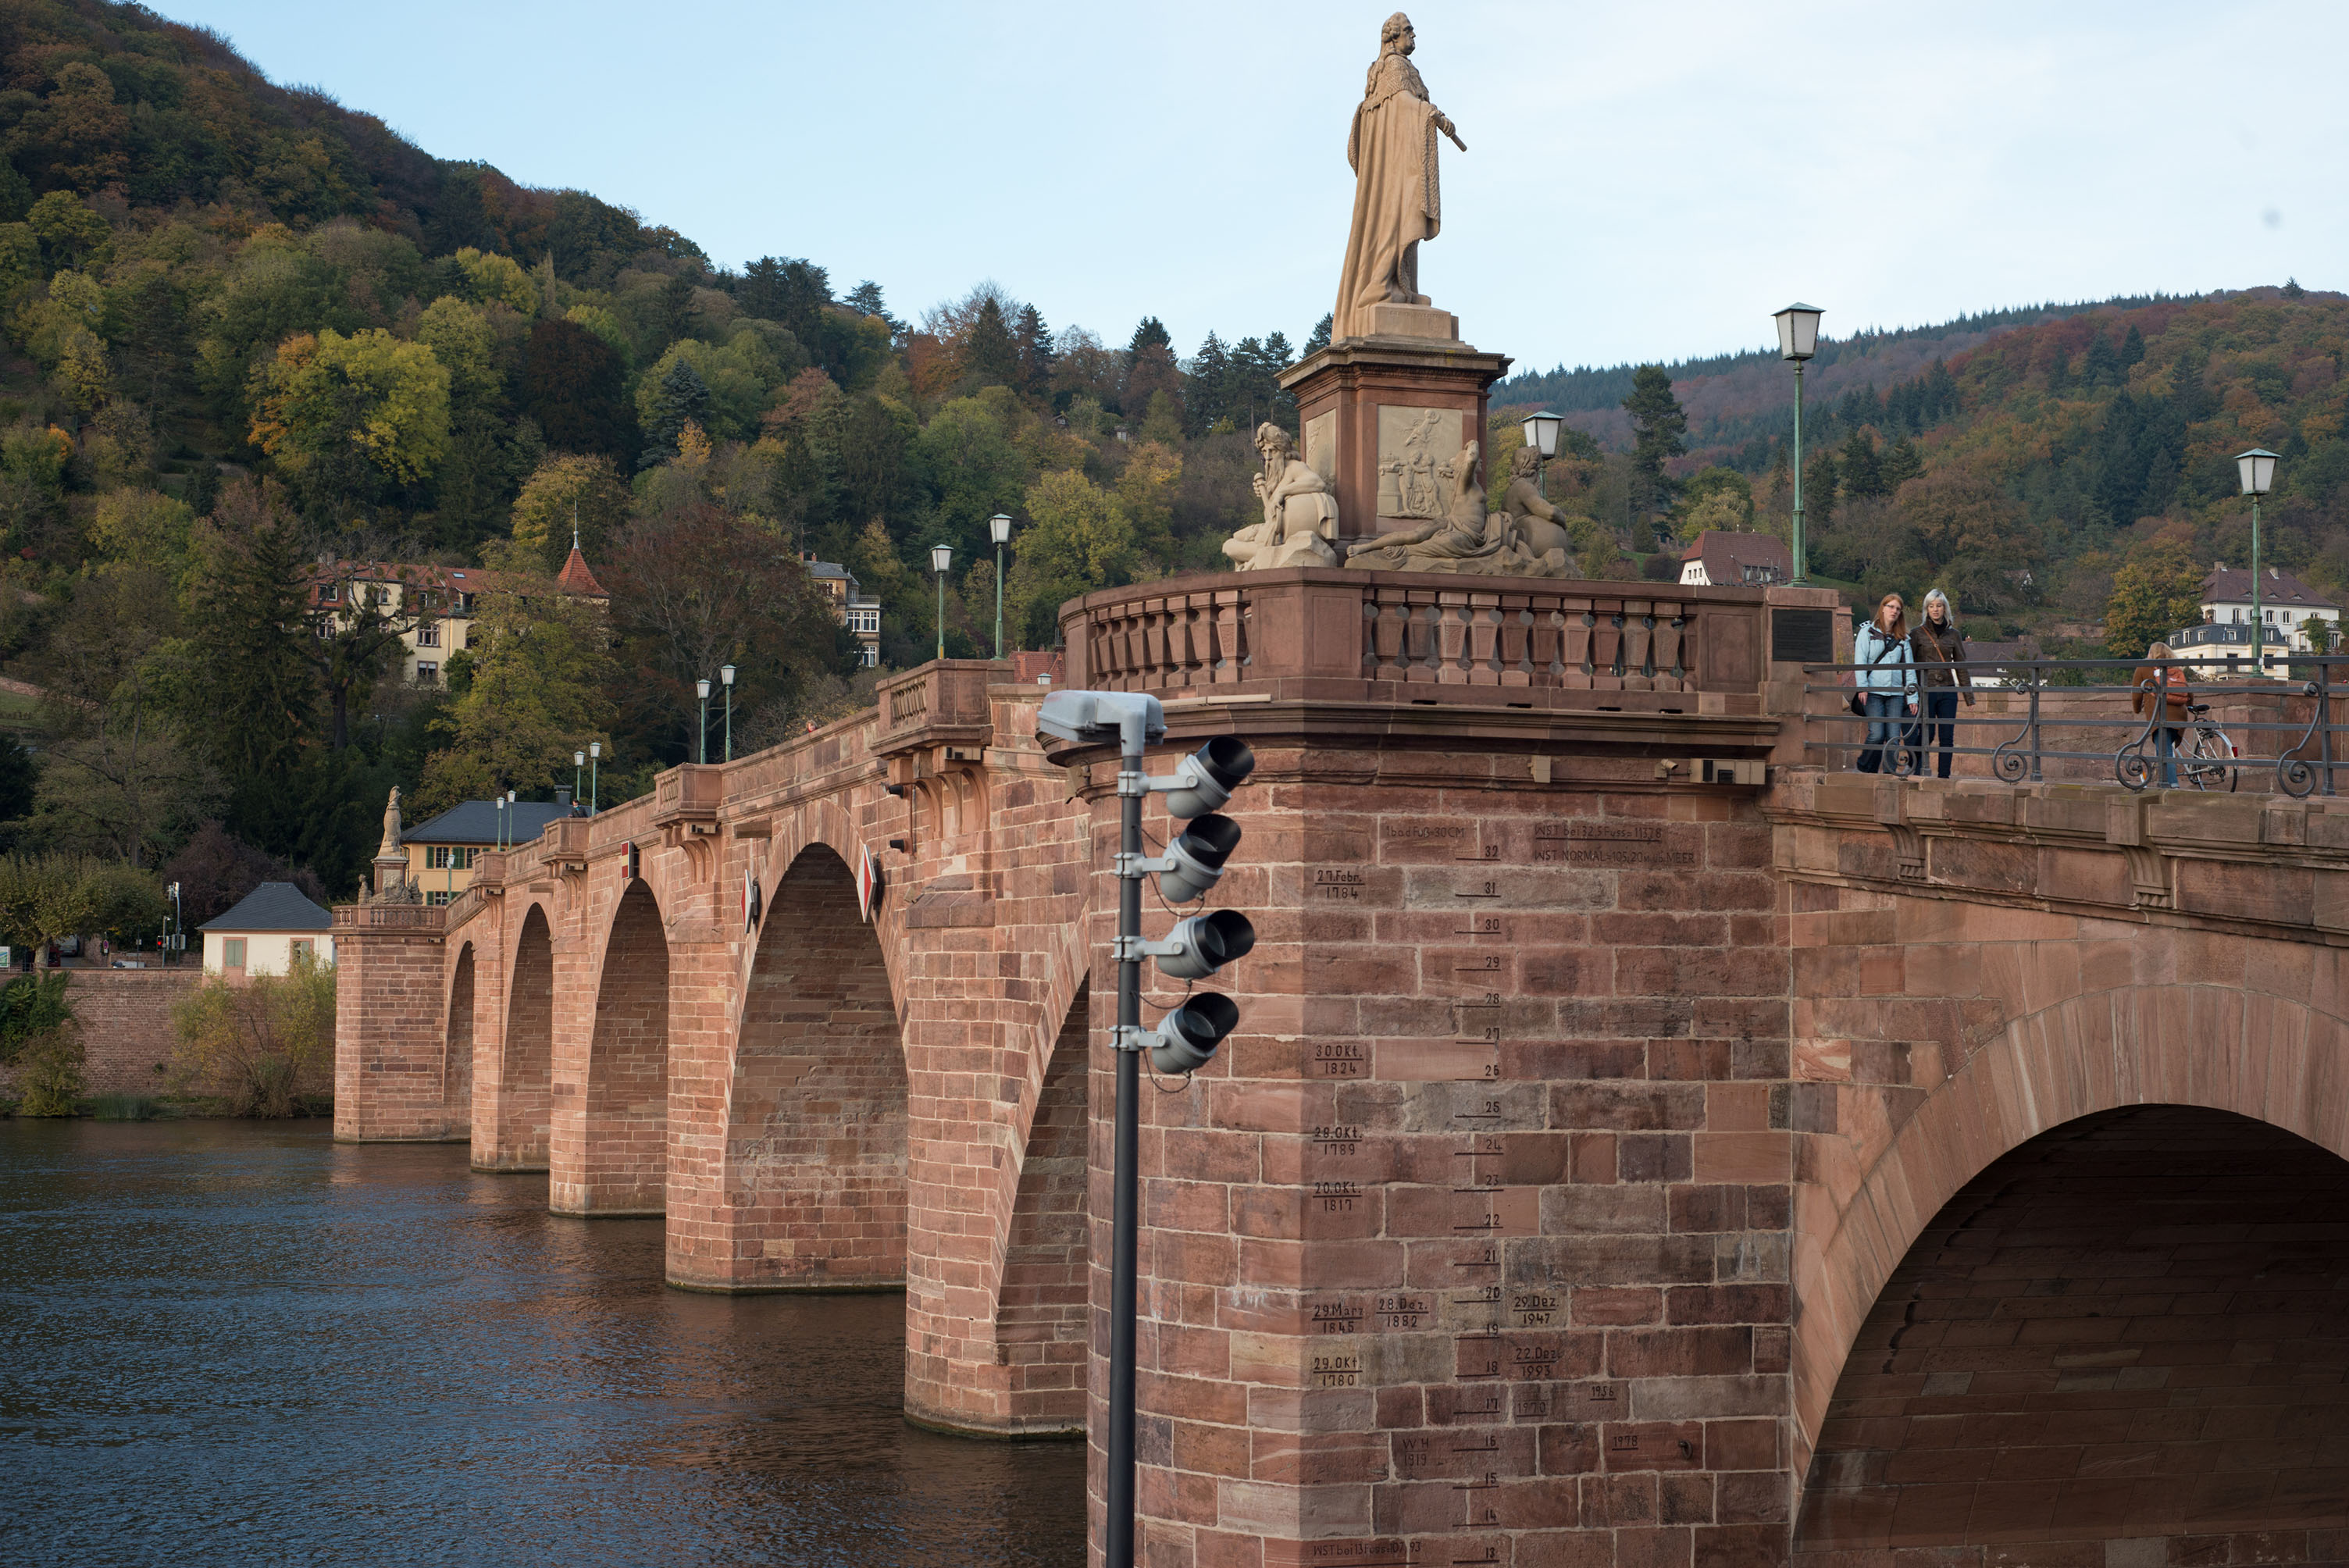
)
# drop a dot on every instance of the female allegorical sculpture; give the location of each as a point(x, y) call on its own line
point(1396, 204)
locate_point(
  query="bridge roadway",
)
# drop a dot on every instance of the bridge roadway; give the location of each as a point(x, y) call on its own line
point(1611, 1166)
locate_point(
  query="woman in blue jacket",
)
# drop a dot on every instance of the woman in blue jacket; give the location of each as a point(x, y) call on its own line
point(1885, 677)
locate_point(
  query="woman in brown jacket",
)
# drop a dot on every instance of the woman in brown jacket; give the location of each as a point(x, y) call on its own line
point(2166, 684)
point(1933, 648)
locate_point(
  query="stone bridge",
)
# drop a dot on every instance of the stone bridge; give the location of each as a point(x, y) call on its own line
point(1641, 1146)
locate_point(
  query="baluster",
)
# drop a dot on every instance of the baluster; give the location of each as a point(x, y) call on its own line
point(1639, 641)
point(1607, 646)
point(1452, 639)
point(1483, 640)
point(1420, 640)
point(1516, 637)
point(1576, 633)
point(1669, 625)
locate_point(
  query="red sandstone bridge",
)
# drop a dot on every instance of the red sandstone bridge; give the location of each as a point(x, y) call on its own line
point(1622, 1158)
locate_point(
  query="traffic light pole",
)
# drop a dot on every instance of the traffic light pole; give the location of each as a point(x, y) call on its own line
point(1117, 1549)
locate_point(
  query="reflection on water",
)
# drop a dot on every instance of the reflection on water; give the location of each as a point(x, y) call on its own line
point(225, 1342)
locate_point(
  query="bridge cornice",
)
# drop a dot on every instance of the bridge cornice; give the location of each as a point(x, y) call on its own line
point(2257, 864)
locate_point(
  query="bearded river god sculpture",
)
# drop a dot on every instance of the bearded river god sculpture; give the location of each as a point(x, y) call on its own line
point(1300, 515)
point(1397, 200)
point(1467, 538)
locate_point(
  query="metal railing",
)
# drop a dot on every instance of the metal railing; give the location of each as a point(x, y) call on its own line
point(2083, 719)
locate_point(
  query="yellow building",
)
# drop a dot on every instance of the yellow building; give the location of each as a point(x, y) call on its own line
point(264, 932)
point(432, 608)
point(440, 852)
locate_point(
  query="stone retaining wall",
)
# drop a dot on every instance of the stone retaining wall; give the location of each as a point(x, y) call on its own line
point(126, 1026)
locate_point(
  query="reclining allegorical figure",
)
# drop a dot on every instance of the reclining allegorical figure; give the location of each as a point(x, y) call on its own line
point(1466, 539)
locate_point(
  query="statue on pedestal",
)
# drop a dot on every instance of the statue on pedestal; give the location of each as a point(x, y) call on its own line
point(389, 849)
point(1397, 203)
point(1300, 515)
point(1467, 538)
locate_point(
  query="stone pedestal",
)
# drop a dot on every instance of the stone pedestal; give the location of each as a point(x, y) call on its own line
point(1380, 413)
point(390, 871)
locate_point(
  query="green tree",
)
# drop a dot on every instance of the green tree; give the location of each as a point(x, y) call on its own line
point(574, 385)
point(263, 1048)
point(989, 352)
point(535, 684)
point(681, 397)
point(1078, 538)
point(569, 491)
point(2158, 592)
point(1659, 427)
point(338, 412)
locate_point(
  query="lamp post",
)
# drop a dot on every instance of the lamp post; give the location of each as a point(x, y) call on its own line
point(1000, 526)
point(701, 736)
point(1798, 339)
point(726, 679)
point(595, 765)
point(578, 766)
point(1541, 435)
point(942, 557)
point(499, 837)
point(2256, 469)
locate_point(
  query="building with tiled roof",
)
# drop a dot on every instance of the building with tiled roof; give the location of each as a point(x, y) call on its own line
point(860, 613)
point(264, 931)
point(441, 850)
point(436, 605)
point(1720, 559)
point(2286, 606)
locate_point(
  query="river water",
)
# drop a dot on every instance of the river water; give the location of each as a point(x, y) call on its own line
point(229, 1341)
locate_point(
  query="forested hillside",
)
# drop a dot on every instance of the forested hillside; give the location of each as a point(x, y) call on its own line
point(2023, 460)
point(248, 329)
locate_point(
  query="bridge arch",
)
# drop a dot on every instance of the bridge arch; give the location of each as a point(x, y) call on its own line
point(511, 1131)
point(456, 1047)
point(2272, 1059)
point(812, 1185)
point(609, 1153)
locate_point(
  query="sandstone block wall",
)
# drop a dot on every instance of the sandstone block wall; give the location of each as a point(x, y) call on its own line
point(125, 1018)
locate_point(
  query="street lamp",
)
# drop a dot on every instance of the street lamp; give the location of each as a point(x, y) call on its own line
point(578, 766)
point(500, 837)
point(726, 678)
point(1541, 435)
point(942, 557)
point(701, 742)
point(1798, 340)
point(595, 765)
point(2257, 469)
point(1000, 526)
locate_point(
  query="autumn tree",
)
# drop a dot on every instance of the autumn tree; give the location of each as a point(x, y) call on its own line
point(1078, 538)
point(2158, 592)
point(569, 491)
point(342, 416)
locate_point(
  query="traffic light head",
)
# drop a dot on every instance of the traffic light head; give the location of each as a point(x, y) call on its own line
point(1198, 857)
point(1205, 779)
point(1204, 944)
point(1188, 1036)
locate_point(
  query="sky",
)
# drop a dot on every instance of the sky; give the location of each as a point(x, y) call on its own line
point(1642, 182)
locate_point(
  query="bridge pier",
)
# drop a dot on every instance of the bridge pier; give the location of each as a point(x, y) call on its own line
point(609, 1148)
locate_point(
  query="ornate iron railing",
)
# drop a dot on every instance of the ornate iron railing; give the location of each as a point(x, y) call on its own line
point(2032, 720)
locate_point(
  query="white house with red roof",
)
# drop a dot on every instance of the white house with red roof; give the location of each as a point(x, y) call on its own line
point(434, 605)
point(1721, 559)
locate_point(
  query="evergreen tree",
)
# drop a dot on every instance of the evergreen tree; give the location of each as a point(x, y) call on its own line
point(865, 299)
point(2100, 366)
point(989, 351)
point(1862, 471)
point(683, 398)
point(1034, 340)
point(676, 309)
point(2132, 349)
point(1902, 463)
point(1207, 397)
point(1320, 338)
point(1659, 425)
point(1819, 482)
point(760, 291)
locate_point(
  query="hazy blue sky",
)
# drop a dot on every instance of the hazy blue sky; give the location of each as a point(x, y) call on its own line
point(1642, 181)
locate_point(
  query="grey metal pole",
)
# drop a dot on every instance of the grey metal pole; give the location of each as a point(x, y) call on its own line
point(999, 599)
point(1117, 1549)
point(942, 614)
point(1802, 565)
point(730, 721)
point(701, 736)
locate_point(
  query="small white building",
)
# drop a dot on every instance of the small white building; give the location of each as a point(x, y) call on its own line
point(2287, 605)
point(262, 935)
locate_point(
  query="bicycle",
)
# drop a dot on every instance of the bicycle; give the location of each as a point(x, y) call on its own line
point(2207, 759)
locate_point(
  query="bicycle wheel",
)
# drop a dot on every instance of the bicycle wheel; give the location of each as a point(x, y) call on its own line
point(2208, 762)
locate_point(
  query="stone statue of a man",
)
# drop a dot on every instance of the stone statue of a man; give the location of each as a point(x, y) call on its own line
point(390, 845)
point(1396, 201)
point(1300, 515)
